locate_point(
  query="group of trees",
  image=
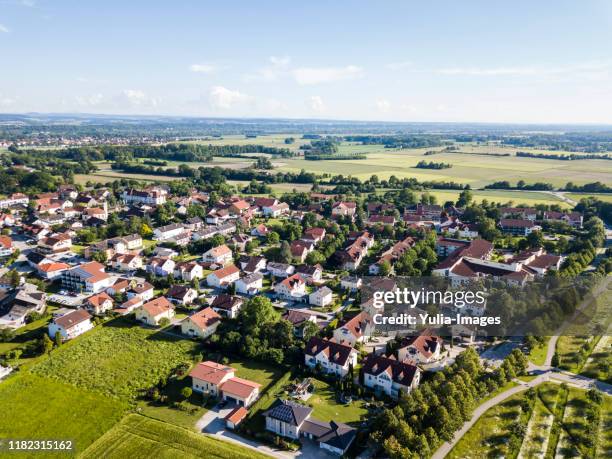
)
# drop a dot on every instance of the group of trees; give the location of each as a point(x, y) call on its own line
point(259, 333)
point(560, 157)
point(431, 413)
point(432, 165)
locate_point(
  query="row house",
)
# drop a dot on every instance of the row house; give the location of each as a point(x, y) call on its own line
point(223, 277)
point(151, 196)
point(88, 277)
point(16, 199)
point(517, 227)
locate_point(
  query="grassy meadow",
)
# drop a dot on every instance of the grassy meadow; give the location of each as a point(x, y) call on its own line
point(37, 407)
point(140, 437)
point(118, 359)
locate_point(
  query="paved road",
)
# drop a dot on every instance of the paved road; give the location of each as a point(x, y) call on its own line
point(544, 373)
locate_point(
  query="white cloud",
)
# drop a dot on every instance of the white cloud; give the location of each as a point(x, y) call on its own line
point(139, 98)
point(317, 75)
point(277, 67)
point(202, 68)
point(224, 98)
point(6, 101)
point(316, 104)
point(4, 29)
point(595, 70)
point(383, 105)
point(399, 65)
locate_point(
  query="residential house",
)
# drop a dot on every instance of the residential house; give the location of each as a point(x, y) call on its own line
point(154, 311)
point(299, 319)
point(152, 196)
point(351, 283)
point(99, 303)
point(280, 269)
point(314, 235)
point(355, 330)
point(292, 420)
point(573, 219)
point(51, 270)
point(420, 349)
point(250, 284)
point(181, 294)
point(221, 278)
point(71, 324)
point(390, 376)
point(321, 297)
point(260, 230)
point(292, 288)
point(343, 209)
point(188, 271)
point(165, 233)
point(300, 249)
point(126, 262)
point(16, 304)
point(6, 246)
point(88, 277)
point(517, 227)
point(218, 380)
point(310, 273)
point(201, 324)
point(58, 243)
point(276, 211)
point(220, 255)
point(329, 356)
point(161, 266)
point(227, 305)
point(252, 264)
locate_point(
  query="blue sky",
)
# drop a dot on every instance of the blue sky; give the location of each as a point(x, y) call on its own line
point(521, 61)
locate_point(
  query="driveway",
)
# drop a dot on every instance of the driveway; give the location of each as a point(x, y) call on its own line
point(212, 423)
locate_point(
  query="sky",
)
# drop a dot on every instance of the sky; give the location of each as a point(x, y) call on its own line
point(547, 61)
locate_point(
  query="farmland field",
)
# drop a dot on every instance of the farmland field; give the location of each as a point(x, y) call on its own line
point(48, 409)
point(118, 359)
point(140, 437)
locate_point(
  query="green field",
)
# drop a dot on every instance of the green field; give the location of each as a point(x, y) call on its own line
point(120, 359)
point(555, 422)
point(36, 407)
point(538, 354)
point(139, 437)
point(259, 372)
point(326, 407)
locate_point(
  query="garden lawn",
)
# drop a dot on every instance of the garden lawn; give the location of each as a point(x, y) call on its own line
point(256, 371)
point(37, 407)
point(326, 407)
point(598, 365)
point(572, 351)
point(120, 359)
point(140, 437)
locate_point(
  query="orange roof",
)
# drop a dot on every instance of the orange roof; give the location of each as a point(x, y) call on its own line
point(97, 300)
point(225, 272)
point(242, 388)
point(50, 267)
point(211, 372)
point(220, 250)
point(237, 415)
point(6, 242)
point(157, 306)
point(205, 318)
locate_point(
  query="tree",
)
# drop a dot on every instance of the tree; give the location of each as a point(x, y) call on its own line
point(273, 238)
point(257, 312)
point(164, 322)
point(384, 268)
point(285, 252)
point(309, 330)
point(465, 198)
point(315, 257)
point(58, 338)
point(186, 392)
point(47, 344)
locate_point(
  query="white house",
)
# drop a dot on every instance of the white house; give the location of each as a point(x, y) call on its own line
point(390, 376)
point(188, 271)
point(220, 255)
point(88, 277)
point(280, 269)
point(331, 357)
point(355, 330)
point(321, 297)
point(163, 233)
point(291, 288)
point(161, 266)
point(71, 325)
point(221, 278)
point(250, 284)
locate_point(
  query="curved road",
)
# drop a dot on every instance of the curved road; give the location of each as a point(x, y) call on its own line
point(545, 373)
